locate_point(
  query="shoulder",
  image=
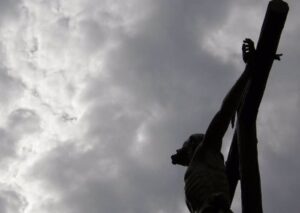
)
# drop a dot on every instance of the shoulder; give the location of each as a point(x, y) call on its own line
point(208, 157)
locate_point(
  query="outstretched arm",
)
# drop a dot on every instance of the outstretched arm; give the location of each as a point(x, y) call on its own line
point(220, 122)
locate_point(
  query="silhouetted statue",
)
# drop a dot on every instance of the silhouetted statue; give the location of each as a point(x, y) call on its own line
point(206, 183)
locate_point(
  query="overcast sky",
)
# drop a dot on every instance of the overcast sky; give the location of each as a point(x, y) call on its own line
point(97, 94)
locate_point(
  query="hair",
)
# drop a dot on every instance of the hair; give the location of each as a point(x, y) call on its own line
point(195, 139)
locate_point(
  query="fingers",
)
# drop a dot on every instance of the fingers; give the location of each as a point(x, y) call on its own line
point(248, 49)
point(248, 40)
point(248, 45)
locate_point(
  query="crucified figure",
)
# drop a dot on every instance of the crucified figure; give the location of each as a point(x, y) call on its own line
point(206, 183)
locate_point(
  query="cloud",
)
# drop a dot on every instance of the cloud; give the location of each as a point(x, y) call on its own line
point(141, 101)
point(10, 200)
point(7, 144)
point(21, 122)
point(99, 94)
point(9, 9)
point(24, 121)
point(10, 88)
point(107, 178)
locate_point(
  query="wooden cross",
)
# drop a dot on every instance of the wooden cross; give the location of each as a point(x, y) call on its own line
point(242, 162)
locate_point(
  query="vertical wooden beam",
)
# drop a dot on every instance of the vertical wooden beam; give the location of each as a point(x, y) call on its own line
point(244, 144)
point(232, 166)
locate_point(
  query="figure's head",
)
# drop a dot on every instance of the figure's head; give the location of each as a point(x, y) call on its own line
point(184, 155)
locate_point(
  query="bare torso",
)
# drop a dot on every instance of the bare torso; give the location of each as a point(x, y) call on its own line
point(206, 178)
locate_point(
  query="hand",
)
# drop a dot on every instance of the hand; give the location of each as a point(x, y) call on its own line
point(248, 49)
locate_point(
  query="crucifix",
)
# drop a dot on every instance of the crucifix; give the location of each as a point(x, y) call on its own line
point(209, 184)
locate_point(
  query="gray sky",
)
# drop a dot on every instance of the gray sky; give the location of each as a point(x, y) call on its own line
point(96, 95)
